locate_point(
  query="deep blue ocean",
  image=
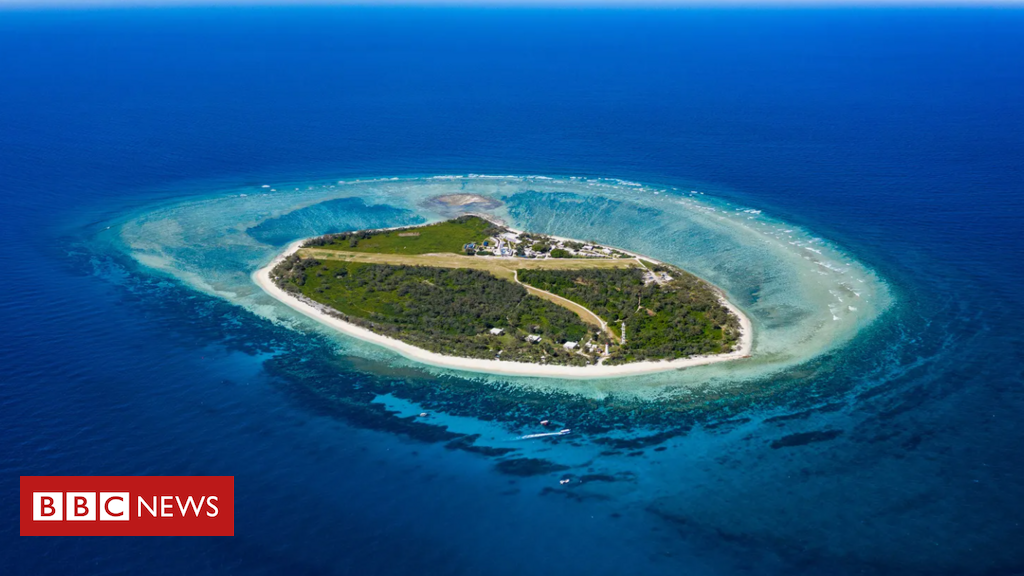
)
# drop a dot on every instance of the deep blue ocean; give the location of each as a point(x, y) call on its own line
point(896, 134)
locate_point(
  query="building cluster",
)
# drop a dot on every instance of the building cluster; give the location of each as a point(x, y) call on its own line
point(651, 277)
point(514, 244)
point(587, 349)
point(531, 338)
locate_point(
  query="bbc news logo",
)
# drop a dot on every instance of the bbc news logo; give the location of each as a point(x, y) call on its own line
point(127, 506)
point(50, 506)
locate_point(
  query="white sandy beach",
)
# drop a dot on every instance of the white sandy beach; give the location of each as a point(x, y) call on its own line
point(262, 278)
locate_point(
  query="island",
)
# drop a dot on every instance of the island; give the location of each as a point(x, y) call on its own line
point(473, 294)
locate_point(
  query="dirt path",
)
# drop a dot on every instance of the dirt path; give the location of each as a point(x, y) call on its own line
point(581, 311)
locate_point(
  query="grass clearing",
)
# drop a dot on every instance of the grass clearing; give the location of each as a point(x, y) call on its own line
point(449, 236)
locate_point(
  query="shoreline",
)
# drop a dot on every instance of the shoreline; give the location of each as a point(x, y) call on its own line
point(262, 279)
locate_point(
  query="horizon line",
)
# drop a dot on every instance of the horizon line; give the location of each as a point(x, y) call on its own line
point(508, 4)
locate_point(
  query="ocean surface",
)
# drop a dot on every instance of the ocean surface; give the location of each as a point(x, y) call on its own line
point(853, 179)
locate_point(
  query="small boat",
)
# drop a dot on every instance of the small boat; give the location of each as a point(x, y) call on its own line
point(545, 422)
point(545, 434)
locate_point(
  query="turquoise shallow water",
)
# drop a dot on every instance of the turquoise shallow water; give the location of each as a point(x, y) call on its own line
point(804, 295)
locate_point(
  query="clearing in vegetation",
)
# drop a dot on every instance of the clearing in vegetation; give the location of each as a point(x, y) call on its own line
point(449, 236)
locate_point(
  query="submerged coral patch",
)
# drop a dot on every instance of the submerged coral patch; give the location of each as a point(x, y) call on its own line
point(804, 295)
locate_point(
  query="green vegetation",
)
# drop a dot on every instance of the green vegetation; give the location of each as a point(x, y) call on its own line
point(444, 310)
point(448, 236)
point(674, 319)
point(435, 288)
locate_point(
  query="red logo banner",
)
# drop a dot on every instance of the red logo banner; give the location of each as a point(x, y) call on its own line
point(127, 505)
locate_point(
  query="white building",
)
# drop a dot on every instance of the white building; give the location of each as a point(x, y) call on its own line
point(497, 331)
point(570, 345)
point(533, 338)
